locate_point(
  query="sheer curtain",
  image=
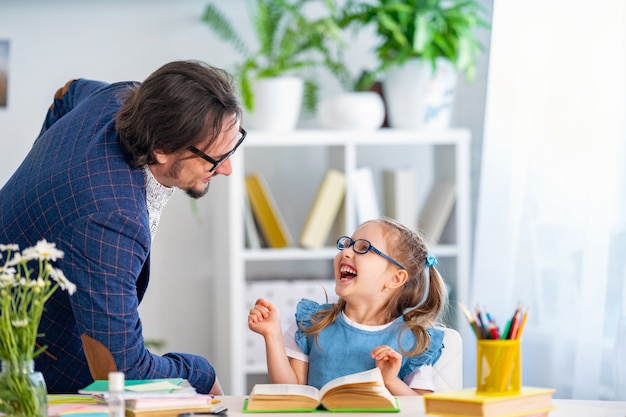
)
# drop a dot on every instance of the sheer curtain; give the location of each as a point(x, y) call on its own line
point(551, 230)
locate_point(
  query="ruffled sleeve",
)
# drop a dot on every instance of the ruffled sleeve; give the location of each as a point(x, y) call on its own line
point(304, 311)
point(428, 356)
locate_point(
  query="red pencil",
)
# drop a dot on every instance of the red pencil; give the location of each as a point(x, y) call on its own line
point(518, 335)
point(517, 318)
point(494, 331)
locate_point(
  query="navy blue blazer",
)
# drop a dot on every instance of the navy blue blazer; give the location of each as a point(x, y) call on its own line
point(75, 188)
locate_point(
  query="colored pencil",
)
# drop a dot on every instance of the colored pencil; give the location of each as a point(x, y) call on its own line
point(521, 326)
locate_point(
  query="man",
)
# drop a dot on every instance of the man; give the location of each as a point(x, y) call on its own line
point(106, 161)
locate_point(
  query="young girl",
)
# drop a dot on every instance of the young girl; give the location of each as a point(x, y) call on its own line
point(390, 296)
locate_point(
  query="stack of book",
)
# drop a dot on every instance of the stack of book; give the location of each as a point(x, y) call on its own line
point(529, 402)
point(157, 397)
point(166, 407)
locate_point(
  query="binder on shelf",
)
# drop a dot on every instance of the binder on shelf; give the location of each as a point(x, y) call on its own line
point(436, 210)
point(366, 202)
point(400, 197)
point(265, 210)
point(253, 240)
point(324, 210)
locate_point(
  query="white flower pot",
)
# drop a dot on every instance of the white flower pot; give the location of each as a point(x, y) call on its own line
point(353, 110)
point(277, 104)
point(417, 98)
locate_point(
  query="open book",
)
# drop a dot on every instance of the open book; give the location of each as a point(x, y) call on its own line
point(363, 391)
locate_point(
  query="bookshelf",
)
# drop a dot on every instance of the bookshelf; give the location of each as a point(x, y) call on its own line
point(294, 164)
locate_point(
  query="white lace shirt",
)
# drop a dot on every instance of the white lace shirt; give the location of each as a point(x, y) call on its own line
point(157, 196)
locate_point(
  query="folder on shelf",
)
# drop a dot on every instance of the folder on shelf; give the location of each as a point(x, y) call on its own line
point(366, 201)
point(265, 210)
point(324, 210)
point(253, 239)
point(400, 197)
point(436, 210)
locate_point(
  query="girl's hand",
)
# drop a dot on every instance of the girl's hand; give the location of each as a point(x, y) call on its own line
point(388, 360)
point(264, 318)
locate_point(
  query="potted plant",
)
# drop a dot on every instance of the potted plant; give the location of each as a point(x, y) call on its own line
point(422, 46)
point(27, 280)
point(289, 45)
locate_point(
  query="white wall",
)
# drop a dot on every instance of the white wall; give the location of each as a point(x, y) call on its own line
point(54, 41)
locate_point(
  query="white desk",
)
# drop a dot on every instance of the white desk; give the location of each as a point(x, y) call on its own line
point(414, 407)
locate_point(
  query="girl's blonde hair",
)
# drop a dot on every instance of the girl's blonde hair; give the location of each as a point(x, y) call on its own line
point(421, 301)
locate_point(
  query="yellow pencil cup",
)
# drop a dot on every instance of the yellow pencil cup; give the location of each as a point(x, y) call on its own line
point(498, 367)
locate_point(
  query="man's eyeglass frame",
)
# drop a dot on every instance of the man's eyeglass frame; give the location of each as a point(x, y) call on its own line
point(217, 163)
point(341, 246)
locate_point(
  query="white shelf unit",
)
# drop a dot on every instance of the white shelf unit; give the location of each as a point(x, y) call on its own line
point(294, 164)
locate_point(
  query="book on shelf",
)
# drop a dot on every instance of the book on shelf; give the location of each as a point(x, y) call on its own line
point(167, 407)
point(436, 210)
point(324, 210)
point(530, 401)
point(400, 197)
point(266, 212)
point(253, 239)
point(364, 192)
point(359, 392)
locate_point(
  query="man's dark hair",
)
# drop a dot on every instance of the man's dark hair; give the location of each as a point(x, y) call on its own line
point(175, 107)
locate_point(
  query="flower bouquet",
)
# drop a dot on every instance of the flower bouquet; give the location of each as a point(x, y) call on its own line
point(27, 281)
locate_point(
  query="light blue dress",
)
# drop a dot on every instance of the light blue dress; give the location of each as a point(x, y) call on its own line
point(342, 349)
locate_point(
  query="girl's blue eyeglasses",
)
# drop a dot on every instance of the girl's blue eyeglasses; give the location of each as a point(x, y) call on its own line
point(362, 246)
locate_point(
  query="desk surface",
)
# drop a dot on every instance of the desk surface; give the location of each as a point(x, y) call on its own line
point(414, 407)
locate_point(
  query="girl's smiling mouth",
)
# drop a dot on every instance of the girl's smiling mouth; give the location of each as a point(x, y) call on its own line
point(346, 273)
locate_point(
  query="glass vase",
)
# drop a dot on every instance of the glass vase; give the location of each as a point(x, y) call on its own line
point(23, 391)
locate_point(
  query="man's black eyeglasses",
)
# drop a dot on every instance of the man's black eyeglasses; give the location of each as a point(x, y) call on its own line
point(217, 163)
point(362, 246)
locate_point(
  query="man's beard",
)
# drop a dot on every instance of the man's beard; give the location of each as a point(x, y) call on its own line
point(191, 192)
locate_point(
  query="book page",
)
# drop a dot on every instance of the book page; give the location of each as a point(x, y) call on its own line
point(285, 389)
point(372, 377)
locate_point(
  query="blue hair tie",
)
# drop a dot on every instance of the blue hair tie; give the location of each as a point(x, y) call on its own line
point(431, 260)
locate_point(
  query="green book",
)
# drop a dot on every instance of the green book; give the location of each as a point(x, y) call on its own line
point(143, 387)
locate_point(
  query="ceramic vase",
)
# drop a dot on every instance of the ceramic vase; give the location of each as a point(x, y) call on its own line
point(419, 97)
point(352, 110)
point(277, 104)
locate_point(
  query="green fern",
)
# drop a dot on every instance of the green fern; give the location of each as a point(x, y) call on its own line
point(223, 28)
point(427, 29)
point(289, 43)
